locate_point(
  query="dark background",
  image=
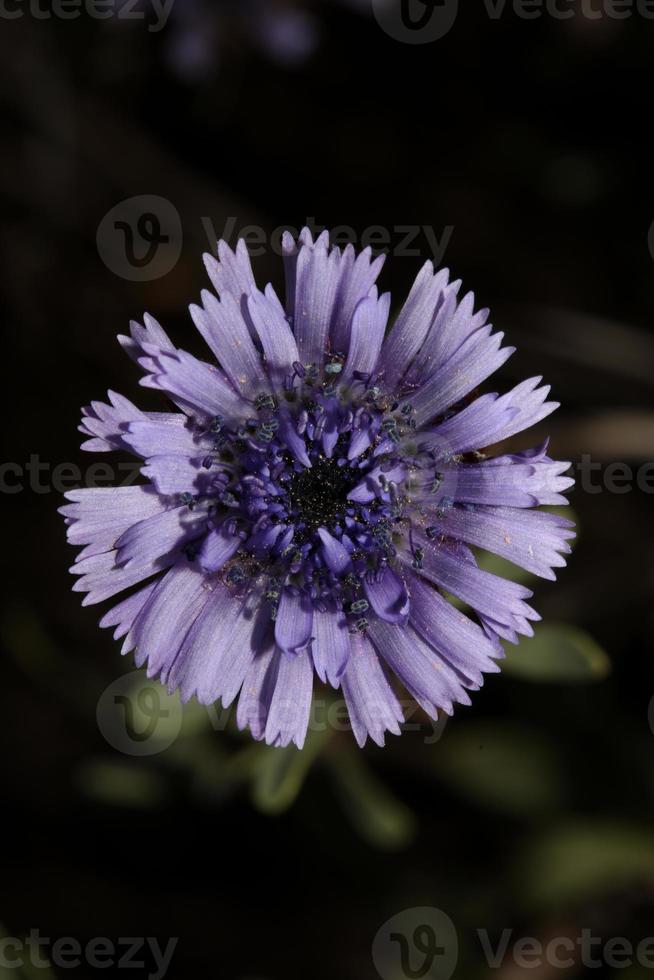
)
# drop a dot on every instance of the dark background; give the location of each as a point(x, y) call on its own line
point(530, 140)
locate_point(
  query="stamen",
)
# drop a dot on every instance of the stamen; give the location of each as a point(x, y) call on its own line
point(267, 484)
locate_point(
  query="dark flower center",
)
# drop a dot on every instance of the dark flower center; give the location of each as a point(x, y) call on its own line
point(318, 496)
point(332, 459)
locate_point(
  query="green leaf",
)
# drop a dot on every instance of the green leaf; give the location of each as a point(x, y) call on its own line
point(559, 654)
point(581, 861)
point(280, 773)
point(501, 766)
point(216, 775)
point(381, 819)
point(122, 784)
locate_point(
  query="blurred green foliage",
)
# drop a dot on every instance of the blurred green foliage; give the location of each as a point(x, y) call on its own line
point(558, 653)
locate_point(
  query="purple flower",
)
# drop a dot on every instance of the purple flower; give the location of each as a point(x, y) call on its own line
point(314, 500)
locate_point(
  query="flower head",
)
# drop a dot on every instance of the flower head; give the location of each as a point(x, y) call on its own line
point(316, 497)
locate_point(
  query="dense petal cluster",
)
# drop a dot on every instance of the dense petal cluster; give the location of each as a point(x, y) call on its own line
point(317, 497)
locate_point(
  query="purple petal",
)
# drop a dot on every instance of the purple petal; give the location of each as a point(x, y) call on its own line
point(225, 331)
point(231, 272)
point(336, 555)
point(513, 484)
point(388, 596)
point(290, 252)
point(330, 646)
point(368, 327)
point(491, 419)
point(98, 516)
point(371, 487)
point(294, 441)
point(293, 623)
point(357, 276)
point(288, 717)
point(264, 540)
point(362, 439)
point(330, 432)
point(102, 578)
point(178, 474)
point(529, 405)
point(488, 594)
point(106, 424)
point(279, 346)
point(426, 677)
point(413, 323)
point(149, 437)
point(476, 360)
point(151, 334)
point(371, 703)
point(317, 278)
point(217, 548)
point(495, 482)
point(533, 540)
point(472, 428)
point(161, 626)
point(123, 615)
point(257, 692)
point(198, 387)
point(456, 638)
point(496, 631)
point(218, 650)
point(157, 536)
point(452, 325)
point(252, 635)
